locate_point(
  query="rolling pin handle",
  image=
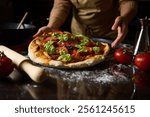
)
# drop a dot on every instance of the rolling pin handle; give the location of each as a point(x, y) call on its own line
point(36, 73)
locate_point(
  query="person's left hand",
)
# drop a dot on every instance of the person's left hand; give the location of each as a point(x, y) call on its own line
point(121, 26)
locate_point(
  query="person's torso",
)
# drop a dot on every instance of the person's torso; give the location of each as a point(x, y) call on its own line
point(91, 9)
point(95, 13)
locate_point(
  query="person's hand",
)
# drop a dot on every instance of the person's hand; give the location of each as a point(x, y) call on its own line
point(121, 26)
point(42, 30)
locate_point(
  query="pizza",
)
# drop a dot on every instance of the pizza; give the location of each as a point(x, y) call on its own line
point(61, 49)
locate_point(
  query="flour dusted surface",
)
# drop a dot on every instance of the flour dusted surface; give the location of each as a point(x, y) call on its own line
point(98, 81)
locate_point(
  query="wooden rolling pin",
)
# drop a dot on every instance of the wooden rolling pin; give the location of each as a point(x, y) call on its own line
point(36, 73)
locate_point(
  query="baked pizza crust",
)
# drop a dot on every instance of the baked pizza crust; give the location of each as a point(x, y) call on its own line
point(41, 57)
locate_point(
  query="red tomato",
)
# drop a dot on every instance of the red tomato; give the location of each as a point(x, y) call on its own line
point(50, 38)
point(142, 79)
point(71, 42)
point(123, 55)
point(76, 55)
point(6, 65)
point(142, 61)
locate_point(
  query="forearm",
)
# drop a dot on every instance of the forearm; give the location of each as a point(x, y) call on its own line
point(59, 13)
point(128, 9)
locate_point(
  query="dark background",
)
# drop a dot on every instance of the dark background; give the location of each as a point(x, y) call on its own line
point(39, 10)
point(14, 10)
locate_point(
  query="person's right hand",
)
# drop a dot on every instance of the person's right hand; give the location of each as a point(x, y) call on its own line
point(42, 30)
point(121, 26)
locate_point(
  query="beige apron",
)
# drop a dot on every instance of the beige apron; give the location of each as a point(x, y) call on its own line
point(94, 17)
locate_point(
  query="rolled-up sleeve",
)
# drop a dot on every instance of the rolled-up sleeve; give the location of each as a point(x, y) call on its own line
point(131, 3)
point(59, 12)
point(128, 8)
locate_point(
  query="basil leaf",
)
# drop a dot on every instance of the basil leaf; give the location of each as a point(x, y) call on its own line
point(82, 49)
point(65, 57)
point(84, 41)
point(96, 49)
point(78, 46)
point(79, 35)
point(55, 34)
point(49, 47)
point(49, 43)
point(62, 52)
point(63, 37)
